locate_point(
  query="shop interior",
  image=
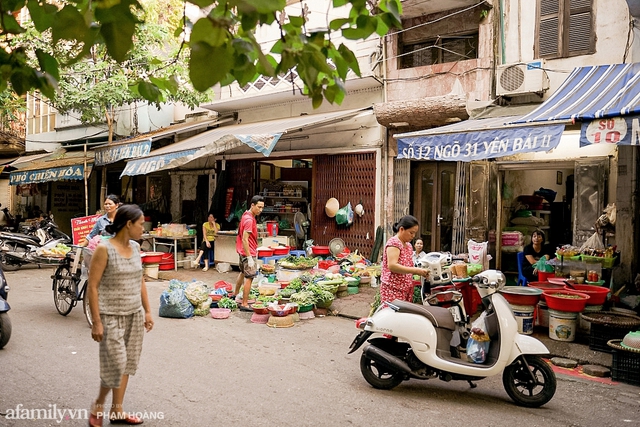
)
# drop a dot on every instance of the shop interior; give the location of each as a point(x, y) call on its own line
point(286, 185)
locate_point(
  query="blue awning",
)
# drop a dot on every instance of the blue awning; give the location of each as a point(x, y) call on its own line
point(478, 140)
point(590, 93)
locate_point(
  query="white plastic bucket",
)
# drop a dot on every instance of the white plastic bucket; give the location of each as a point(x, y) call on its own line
point(584, 326)
point(543, 315)
point(562, 325)
point(524, 317)
point(151, 270)
point(186, 263)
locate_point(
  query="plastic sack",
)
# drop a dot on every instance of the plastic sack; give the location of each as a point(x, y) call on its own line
point(479, 341)
point(478, 253)
point(196, 293)
point(543, 266)
point(174, 304)
point(342, 216)
point(593, 242)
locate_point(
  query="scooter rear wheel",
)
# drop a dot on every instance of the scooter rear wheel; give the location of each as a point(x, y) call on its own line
point(86, 308)
point(378, 375)
point(520, 386)
point(5, 329)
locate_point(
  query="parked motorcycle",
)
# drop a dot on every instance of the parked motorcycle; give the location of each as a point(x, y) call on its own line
point(19, 249)
point(5, 323)
point(420, 347)
point(10, 220)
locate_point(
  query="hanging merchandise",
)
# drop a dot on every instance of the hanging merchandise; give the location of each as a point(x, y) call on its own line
point(359, 209)
point(332, 206)
point(344, 216)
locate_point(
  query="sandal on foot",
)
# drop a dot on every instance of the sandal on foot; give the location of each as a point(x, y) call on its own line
point(205, 269)
point(245, 308)
point(94, 420)
point(128, 420)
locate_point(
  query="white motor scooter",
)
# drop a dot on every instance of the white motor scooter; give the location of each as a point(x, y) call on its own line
point(420, 347)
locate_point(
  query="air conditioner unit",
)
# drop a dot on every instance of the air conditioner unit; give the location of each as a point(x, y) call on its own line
point(521, 79)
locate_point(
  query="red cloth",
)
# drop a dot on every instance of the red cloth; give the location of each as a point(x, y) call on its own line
point(393, 285)
point(248, 223)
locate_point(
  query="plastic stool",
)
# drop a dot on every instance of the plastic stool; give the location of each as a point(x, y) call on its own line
point(274, 258)
point(210, 256)
point(298, 253)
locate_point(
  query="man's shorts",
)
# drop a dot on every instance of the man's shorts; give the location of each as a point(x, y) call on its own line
point(248, 272)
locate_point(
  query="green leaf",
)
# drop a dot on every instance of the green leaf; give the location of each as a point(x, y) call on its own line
point(261, 6)
point(336, 24)
point(68, 25)
point(209, 65)
point(335, 92)
point(48, 64)
point(297, 21)
point(207, 31)
point(42, 15)
point(351, 59)
point(382, 27)
point(10, 25)
point(338, 3)
point(149, 91)
point(118, 38)
point(316, 100)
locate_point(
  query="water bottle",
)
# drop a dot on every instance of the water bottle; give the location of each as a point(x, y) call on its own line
point(374, 282)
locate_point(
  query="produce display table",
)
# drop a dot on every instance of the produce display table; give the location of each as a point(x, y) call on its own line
point(173, 242)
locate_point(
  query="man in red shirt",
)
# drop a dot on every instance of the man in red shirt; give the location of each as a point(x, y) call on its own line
point(247, 248)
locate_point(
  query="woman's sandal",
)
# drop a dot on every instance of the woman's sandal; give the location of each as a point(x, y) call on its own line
point(94, 420)
point(129, 420)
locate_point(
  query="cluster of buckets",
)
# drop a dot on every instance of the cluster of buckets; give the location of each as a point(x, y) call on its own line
point(555, 306)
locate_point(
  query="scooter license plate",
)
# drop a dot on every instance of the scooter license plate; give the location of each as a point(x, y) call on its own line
point(455, 313)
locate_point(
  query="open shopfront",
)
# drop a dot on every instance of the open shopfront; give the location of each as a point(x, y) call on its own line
point(280, 159)
point(507, 157)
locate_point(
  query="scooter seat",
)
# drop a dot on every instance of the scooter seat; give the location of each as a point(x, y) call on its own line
point(440, 317)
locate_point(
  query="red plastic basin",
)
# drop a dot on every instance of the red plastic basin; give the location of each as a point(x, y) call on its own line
point(572, 301)
point(320, 250)
point(280, 250)
point(545, 286)
point(544, 277)
point(597, 294)
point(265, 253)
point(521, 295)
point(151, 257)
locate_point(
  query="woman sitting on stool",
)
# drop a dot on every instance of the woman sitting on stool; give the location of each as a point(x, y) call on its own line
point(533, 252)
point(209, 232)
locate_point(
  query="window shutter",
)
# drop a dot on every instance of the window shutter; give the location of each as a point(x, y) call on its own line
point(581, 38)
point(548, 30)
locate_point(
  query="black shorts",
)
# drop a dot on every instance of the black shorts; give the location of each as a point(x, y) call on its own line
point(203, 246)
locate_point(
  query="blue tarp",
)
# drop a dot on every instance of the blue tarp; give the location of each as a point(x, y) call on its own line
point(115, 153)
point(152, 164)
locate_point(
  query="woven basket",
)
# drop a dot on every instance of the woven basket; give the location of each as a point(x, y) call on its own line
point(613, 319)
point(220, 313)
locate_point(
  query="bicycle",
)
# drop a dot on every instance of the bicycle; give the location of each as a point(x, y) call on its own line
point(70, 284)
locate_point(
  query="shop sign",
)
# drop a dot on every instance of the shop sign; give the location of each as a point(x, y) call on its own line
point(106, 155)
point(152, 164)
point(480, 145)
point(80, 227)
point(614, 130)
point(74, 172)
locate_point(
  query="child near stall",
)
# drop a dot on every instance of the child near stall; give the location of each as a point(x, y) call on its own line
point(209, 232)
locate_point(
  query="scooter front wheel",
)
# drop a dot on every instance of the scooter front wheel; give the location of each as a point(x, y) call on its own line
point(5, 329)
point(86, 308)
point(378, 375)
point(531, 388)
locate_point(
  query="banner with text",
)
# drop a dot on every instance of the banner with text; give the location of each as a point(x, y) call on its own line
point(615, 130)
point(481, 144)
point(82, 226)
point(112, 154)
point(46, 175)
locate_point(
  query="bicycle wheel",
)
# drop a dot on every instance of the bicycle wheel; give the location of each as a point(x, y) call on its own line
point(64, 295)
point(85, 305)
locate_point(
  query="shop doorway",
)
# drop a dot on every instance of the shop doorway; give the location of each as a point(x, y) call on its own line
point(434, 194)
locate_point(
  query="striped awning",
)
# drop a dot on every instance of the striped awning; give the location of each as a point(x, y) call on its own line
point(593, 92)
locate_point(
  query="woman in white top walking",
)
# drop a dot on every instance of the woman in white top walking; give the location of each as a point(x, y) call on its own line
point(120, 312)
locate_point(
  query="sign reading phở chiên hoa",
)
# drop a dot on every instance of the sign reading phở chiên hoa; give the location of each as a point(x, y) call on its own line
point(82, 226)
point(74, 172)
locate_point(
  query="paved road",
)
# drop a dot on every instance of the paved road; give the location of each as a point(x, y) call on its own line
point(201, 372)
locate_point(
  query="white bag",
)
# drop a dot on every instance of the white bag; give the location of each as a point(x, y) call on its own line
point(478, 253)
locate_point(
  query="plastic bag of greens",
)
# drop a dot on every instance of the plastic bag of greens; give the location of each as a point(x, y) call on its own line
point(174, 304)
point(196, 293)
point(542, 266)
point(479, 341)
